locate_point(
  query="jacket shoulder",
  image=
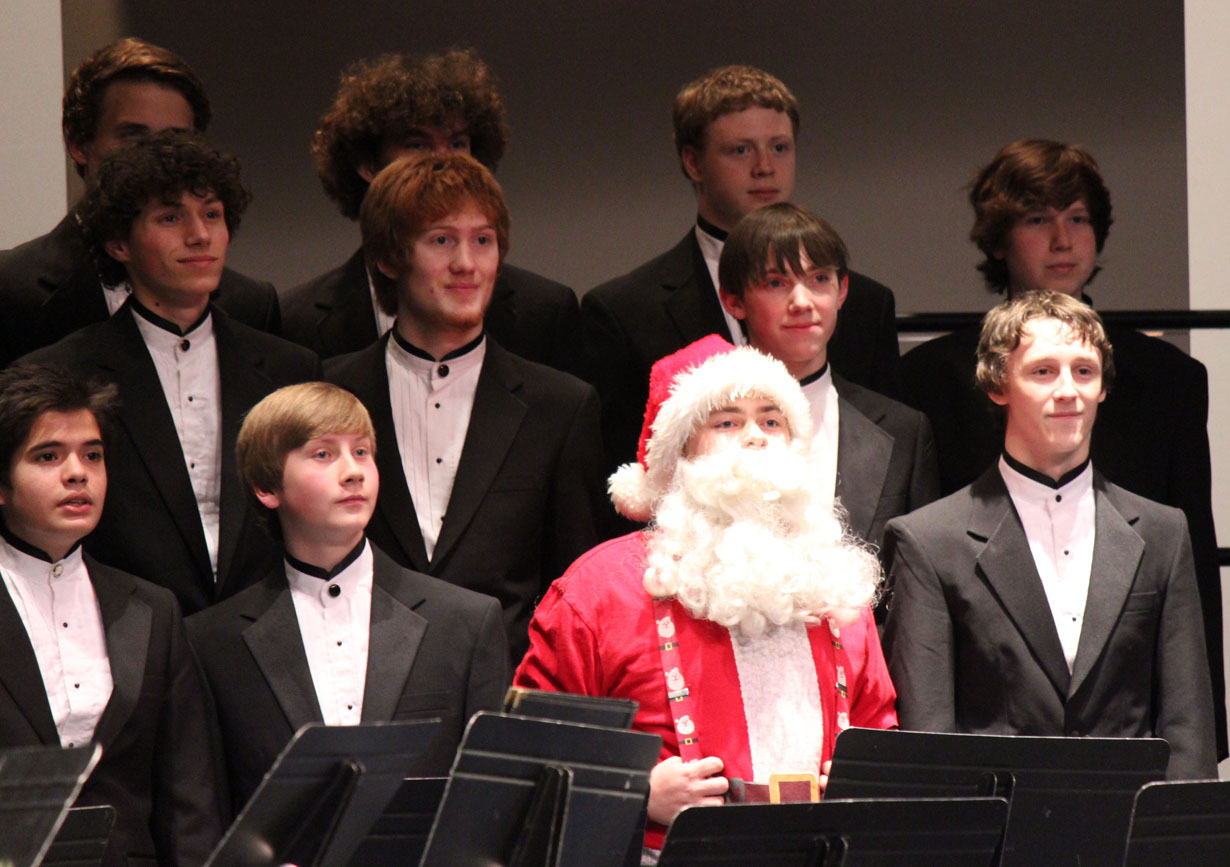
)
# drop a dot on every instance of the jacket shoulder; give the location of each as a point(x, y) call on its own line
point(645, 281)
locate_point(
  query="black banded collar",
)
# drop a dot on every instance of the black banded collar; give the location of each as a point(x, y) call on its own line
point(166, 324)
point(426, 356)
point(1042, 478)
point(711, 230)
point(812, 377)
point(19, 544)
point(327, 574)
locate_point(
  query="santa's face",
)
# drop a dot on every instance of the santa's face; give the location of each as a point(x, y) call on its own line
point(748, 422)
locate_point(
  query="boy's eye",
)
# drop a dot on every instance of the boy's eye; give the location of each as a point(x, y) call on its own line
point(94, 455)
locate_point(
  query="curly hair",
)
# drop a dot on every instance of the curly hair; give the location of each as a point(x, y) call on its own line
point(127, 60)
point(721, 91)
point(1030, 175)
point(411, 193)
point(161, 166)
point(27, 391)
point(1004, 324)
point(385, 98)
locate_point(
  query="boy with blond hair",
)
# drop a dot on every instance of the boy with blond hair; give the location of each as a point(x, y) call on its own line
point(339, 633)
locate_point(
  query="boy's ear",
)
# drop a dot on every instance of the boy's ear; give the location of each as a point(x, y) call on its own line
point(117, 250)
point(268, 499)
point(733, 304)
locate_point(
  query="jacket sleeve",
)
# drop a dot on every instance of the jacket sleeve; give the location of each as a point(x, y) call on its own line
point(918, 636)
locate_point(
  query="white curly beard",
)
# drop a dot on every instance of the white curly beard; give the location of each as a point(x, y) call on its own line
point(739, 540)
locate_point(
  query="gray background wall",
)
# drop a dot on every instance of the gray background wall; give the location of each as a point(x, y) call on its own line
point(901, 102)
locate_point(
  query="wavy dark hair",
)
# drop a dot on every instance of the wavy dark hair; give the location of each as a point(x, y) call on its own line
point(161, 166)
point(385, 98)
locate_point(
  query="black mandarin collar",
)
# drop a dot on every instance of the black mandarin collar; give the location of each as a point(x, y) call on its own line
point(812, 377)
point(1042, 478)
point(328, 574)
point(165, 324)
point(710, 229)
point(26, 548)
point(426, 356)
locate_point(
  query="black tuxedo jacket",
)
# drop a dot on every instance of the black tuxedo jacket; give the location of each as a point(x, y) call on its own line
point(434, 651)
point(885, 459)
point(972, 646)
point(528, 488)
point(151, 526)
point(669, 302)
point(1151, 437)
point(159, 762)
point(529, 315)
point(49, 288)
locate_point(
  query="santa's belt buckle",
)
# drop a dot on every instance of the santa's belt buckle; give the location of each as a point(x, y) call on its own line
point(793, 788)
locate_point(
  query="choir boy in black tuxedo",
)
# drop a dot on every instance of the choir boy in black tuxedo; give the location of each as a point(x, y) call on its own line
point(336, 633)
point(391, 106)
point(1042, 214)
point(491, 463)
point(50, 286)
point(1042, 599)
point(92, 653)
point(783, 275)
point(159, 214)
point(735, 131)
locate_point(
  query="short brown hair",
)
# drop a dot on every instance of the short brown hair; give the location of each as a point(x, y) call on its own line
point(779, 234)
point(1004, 324)
point(387, 97)
point(721, 91)
point(286, 420)
point(27, 391)
point(163, 165)
point(126, 59)
point(1026, 176)
point(412, 193)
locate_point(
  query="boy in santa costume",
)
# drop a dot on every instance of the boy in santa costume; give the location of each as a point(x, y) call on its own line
point(739, 620)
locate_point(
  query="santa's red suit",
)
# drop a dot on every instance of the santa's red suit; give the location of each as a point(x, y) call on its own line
point(595, 634)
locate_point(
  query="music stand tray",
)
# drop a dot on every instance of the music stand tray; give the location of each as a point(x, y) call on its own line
point(36, 786)
point(616, 713)
point(323, 794)
point(1070, 799)
point(400, 834)
point(82, 839)
point(527, 791)
point(1180, 823)
point(956, 832)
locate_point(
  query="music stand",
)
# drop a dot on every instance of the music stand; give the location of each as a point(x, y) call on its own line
point(616, 713)
point(36, 786)
point(82, 839)
point(956, 832)
point(1180, 823)
point(400, 834)
point(1070, 799)
point(528, 792)
point(323, 794)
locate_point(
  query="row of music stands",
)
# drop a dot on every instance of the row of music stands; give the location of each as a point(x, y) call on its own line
point(527, 791)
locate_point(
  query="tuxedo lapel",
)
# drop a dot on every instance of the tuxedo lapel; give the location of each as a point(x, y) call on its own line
point(395, 504)
point(863, 453)
point(127, 622)
point(242, 382)
point(1117, 550)
point(274, 641)
point(146, 418)
point(1007, 565)
point(20, 674)
point(494, 422)
point(693, 304)
point(393, 642)
point(347, 306)
point(74, 293)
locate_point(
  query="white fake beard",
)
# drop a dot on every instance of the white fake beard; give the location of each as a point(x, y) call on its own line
point(739, 540)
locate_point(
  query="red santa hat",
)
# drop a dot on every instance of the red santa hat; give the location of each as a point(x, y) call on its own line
point(684, 388)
